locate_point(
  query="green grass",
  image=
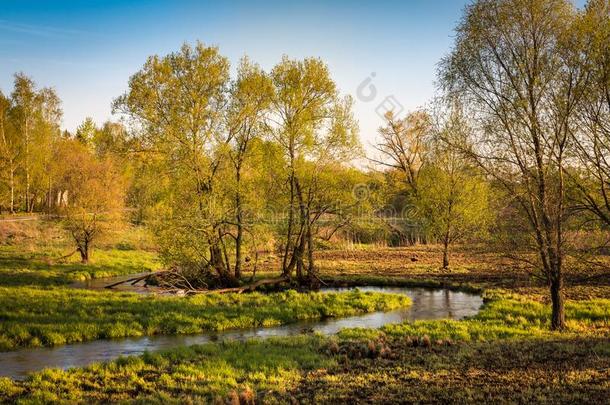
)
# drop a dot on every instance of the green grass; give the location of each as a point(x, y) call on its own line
point(505, 353)
point(53, 316)
point(190, 374)
point(504, 316)
point(36, 268)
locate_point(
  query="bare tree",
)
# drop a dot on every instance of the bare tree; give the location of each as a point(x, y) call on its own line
point(403, 144)
point(592, 134)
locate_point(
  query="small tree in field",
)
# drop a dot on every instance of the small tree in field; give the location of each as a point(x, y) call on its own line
point(453, 199)
point(91, 194)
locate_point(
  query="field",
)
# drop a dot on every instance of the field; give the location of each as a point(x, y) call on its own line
point(505, 354)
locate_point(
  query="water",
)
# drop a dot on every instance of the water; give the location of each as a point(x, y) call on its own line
point(427, 304)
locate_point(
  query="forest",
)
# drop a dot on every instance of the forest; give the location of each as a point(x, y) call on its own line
point(225, 198)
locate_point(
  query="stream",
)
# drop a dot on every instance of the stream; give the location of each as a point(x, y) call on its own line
point(428, 304)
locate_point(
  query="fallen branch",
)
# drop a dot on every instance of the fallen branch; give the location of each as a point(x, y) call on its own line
point(135, 280)
point(189, 289)
point(248, 287)
point(61, 259)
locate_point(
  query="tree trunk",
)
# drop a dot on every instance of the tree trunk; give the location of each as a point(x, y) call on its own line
point(218, 264)
point(27, 168)
point(12, 186)
point(446, 252)
point(311, 266)
point(558, 316)
point(298, 254)
point(84, 252)
point(240, 228)
point(238, 243)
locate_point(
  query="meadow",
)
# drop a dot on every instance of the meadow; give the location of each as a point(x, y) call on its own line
point(39, 307)
point(506, 353)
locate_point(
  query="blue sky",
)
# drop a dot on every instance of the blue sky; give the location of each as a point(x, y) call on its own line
point(87, 50)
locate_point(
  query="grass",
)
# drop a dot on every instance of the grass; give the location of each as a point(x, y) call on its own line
point(48, 317)
point(195, 374)
point(38, 309)
point(503, 355)
point(504, 316)
point(18, 268)
point(31, 252)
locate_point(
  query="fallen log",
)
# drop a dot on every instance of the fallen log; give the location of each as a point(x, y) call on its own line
point(135, 280)
point(244, 288)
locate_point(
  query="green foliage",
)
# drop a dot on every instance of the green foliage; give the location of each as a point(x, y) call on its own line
point(453, 199)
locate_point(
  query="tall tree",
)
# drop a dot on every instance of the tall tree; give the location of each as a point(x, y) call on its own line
point(10, 149)
point(26, 106)
point(37, 113)
point(315, 129)
point(403, 145)
point(178, 102)
point(589, 51)
point(453, 201)
point(250, 98)
point(403, 149)
point(507, 65)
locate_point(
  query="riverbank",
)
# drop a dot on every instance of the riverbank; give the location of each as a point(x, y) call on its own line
point(34, 317)
point(504, 354)
point(505, 350)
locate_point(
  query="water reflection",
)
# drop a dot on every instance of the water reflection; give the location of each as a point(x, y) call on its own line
point(427, 304)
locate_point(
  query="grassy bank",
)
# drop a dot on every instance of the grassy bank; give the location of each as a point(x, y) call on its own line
point(47, 317)
point(504, 354)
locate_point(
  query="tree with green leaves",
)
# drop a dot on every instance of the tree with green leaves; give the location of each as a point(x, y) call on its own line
point(403, 150)
point(453, 199)
point(10, 150)
point(86, 131)
point(249, 101)
point(508, 67)
point(92, 193)
point(589, 52)
point(316, 131)
point(36, 114)
point(178, 104)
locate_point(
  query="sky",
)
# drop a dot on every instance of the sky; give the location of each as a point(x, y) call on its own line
point(383, 53)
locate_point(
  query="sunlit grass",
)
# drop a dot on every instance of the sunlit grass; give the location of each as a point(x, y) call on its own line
point(497, 344)
point(53, 316)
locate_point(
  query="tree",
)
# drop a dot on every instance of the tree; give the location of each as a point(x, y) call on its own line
point(86, 131)
point(591, 134)
point(250, 98)
point(404, 151)
point(403, 145)
point(92, 191)
point(36, 113)
point(178, 104)
point(507, 67)
point(10, 149)
point(315, 130)
point(453, 198)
